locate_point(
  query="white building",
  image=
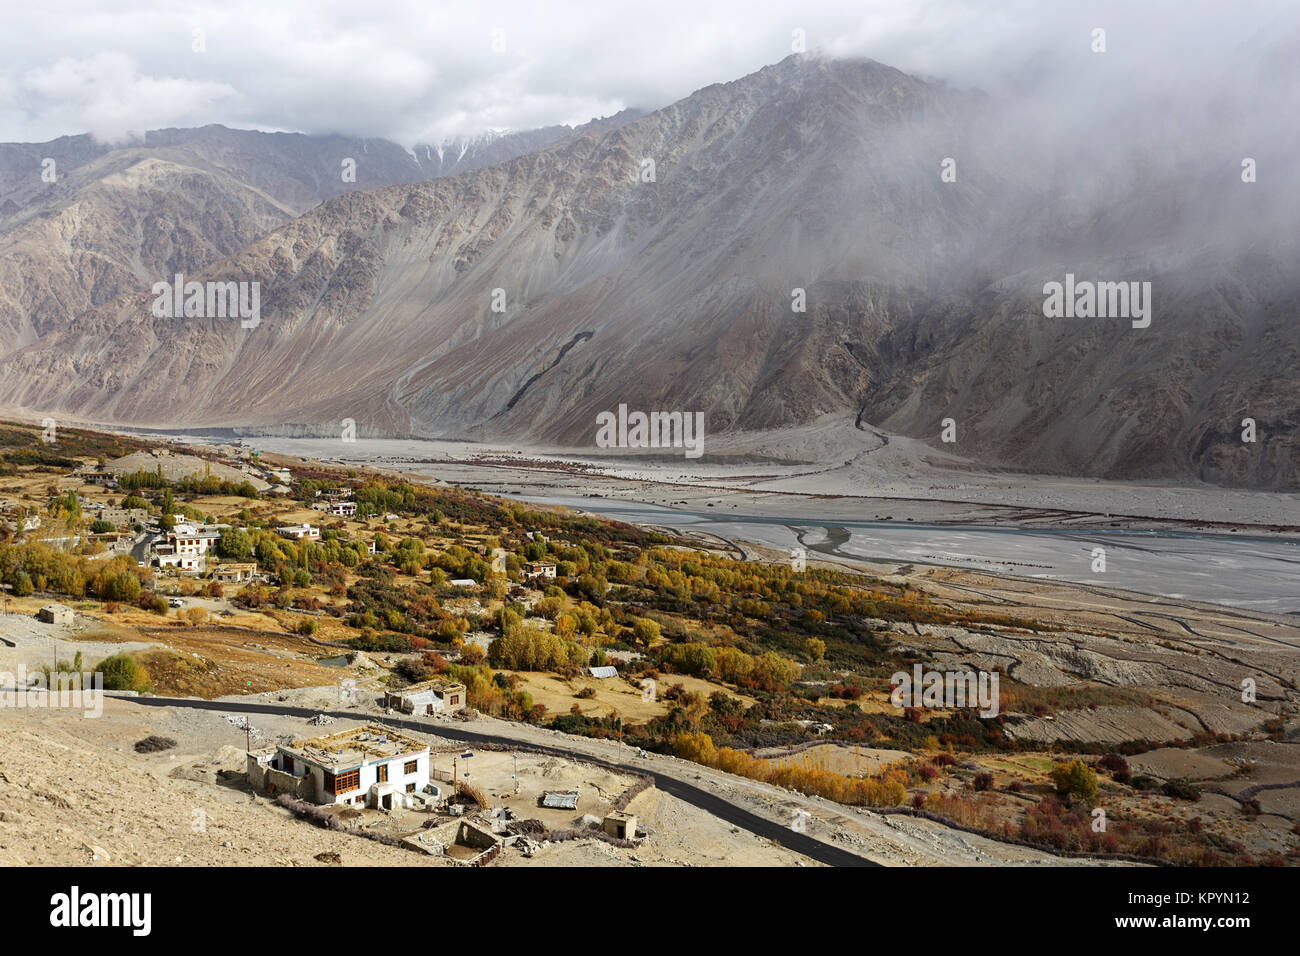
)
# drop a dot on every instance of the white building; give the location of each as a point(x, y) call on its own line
point(343, 509)
point(186, 547)
point(364, 766)
point(299, 532)
point(540, 569)
point(192, 539)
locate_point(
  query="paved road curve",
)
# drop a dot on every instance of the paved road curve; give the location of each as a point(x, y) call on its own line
point(697, 797)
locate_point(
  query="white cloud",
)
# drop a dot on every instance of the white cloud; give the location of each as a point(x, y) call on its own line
point(106, 95)
point(411, 71)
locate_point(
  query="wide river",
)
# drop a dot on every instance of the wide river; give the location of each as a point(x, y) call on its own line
point(1262, 574)
point(1258, 573)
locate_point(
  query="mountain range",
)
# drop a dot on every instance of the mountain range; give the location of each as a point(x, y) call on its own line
point(516, 286)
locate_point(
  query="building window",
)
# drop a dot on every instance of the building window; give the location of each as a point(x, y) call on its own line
point(343, 782)
point(383, 773)
point(454, 699)
point(410, 788)
point(410, 766)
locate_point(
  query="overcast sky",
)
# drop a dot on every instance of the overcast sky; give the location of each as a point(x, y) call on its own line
point(425, 70)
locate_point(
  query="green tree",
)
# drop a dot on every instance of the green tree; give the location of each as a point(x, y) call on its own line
point(121, 672)
point(235, 545)
point(646, 631)
point(1076, 779)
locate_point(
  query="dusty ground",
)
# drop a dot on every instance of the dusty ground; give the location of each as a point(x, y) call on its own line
point(612, 694)
point(839, 758)
point(892, 841)
point(74, 792)
point(184, 661)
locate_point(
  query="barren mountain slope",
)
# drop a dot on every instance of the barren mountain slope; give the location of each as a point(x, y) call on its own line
point(674, 291)
point(116, 219)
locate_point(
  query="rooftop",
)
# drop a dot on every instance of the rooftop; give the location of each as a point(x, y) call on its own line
point(355, 746)
point(437, 685)
point(183, 530)
point(560, 799)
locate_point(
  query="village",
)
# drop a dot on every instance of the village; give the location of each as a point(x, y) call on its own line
point(368, 781)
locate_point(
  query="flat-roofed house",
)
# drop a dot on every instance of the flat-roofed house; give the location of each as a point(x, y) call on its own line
point(363, 766)
point(540, 570)
point(235, 572)
point(427, 698)
point(56, 614)
point(299, 532)
point(193, 539)
point(186, 547)
point(123, 517)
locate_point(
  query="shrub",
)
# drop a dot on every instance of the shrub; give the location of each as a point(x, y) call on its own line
point(309, 811)
point(122, 672)
point(1181, 790)
point(645, 630)
point(1114, 764)
point(1075, 779)
point(983, 781)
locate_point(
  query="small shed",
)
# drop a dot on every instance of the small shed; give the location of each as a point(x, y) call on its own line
point(604, 672)
point(559, 799)
point(619, 825)
point(56, 614)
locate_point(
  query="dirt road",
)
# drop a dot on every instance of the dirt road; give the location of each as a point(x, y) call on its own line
point(669, 783)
